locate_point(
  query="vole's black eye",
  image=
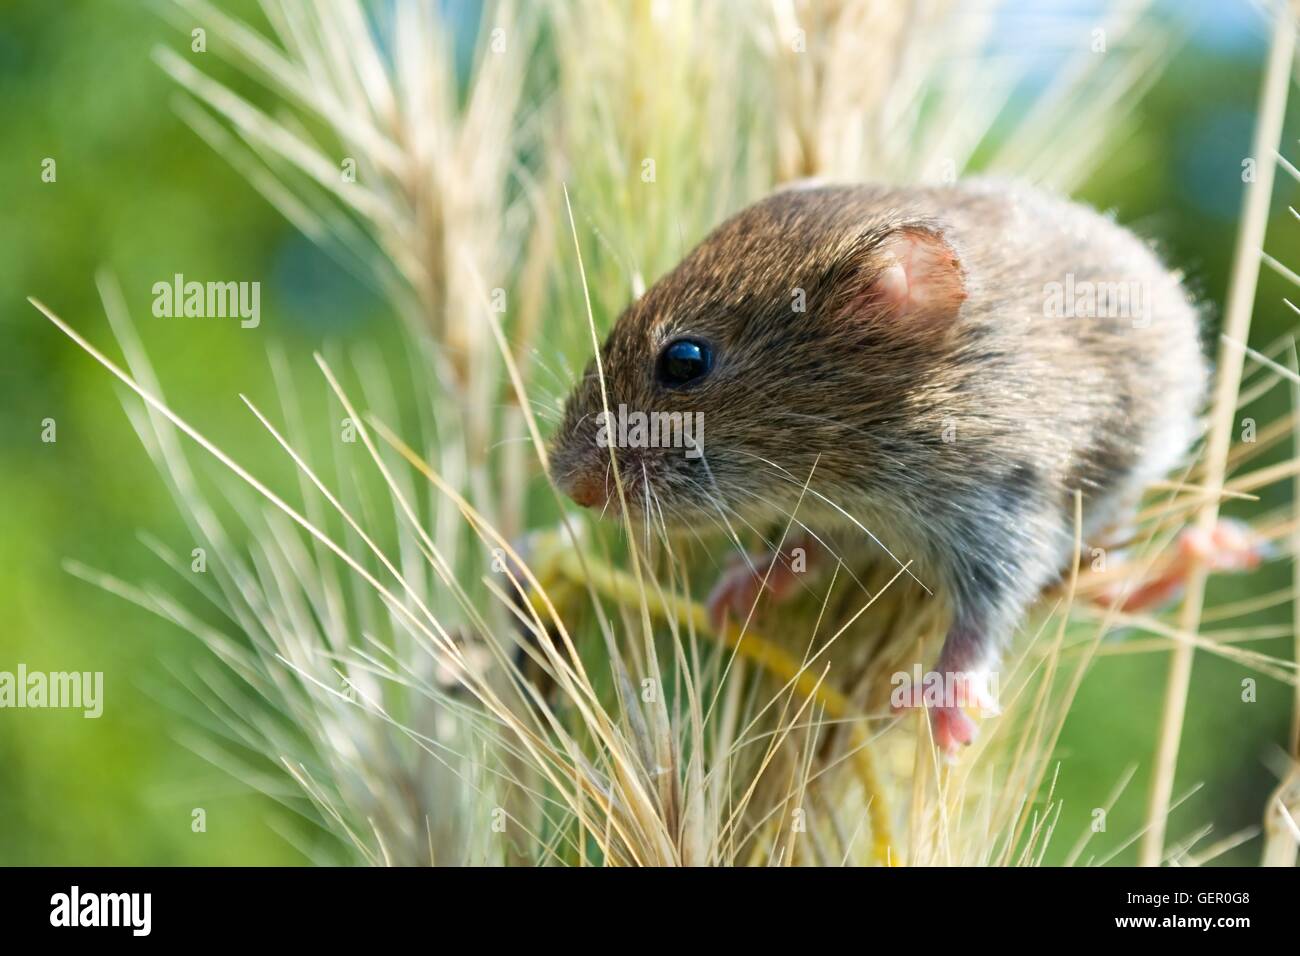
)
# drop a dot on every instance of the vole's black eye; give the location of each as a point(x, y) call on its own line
point(684, 362)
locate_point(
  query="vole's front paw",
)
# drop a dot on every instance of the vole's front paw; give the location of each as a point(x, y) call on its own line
point(740, 585)
point(953, 729)
point(951, 726)
point(946, 697)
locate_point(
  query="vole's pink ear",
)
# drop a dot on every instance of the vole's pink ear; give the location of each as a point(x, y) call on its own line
point(912, 276)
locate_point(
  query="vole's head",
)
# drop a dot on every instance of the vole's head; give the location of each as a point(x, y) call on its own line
point(797, 334)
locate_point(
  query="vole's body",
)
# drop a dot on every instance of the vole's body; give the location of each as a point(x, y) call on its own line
point(940, 385)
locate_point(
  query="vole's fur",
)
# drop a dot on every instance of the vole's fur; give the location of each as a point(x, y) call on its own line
point(959, 448)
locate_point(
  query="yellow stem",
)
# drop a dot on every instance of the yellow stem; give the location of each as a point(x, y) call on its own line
point(623, 589)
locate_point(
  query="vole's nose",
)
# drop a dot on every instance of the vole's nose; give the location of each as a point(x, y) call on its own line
point(586, 488)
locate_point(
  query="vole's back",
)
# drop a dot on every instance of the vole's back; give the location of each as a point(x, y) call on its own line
point(1075, 365)
point(1080, 351)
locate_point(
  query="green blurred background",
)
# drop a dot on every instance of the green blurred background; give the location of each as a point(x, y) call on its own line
point(138, 193)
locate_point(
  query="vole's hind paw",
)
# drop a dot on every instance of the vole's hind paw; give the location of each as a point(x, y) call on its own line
point(1230, 546)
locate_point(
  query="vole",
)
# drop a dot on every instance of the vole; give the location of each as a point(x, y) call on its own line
point(943, 367)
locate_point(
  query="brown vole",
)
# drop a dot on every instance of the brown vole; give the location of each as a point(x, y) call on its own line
point(944, 367)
